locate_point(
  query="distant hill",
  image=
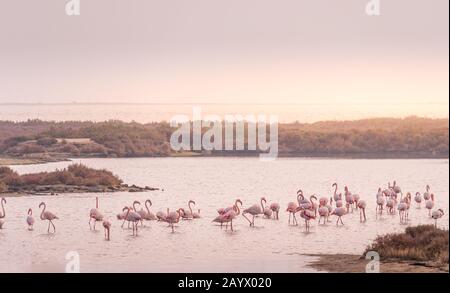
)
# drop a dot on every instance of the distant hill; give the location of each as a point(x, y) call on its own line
point(378, 137)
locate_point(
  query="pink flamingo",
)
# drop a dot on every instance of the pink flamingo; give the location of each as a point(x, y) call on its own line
point(162, 216)
point(348, 199)
point(390, 205)
point(436, 215)
point(303, 203)
point(254, 210)
point(30, 219)
point(418, 199)
point(430, 204)
point(380, 202)
point(222, 211)
point(228, 217)
point(222, 219)
point(267, 212)
point(107, 227)
point(336, 196)
point(292, 208)
point(95, 214)
point(339, 212)
point(402, 206)
point(147, 215)
point(362, 210)
point(47, 216)
point(307, 215)
point(396, 188)
point(196, 215)
point(324, 213)
point(188, 214)
point(173, 218)
point(133, 217)
point(275, 207)
point(2, 214)
point(427, 194)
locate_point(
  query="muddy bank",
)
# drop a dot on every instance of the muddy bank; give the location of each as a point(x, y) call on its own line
point(349, 263)
point(67, 189)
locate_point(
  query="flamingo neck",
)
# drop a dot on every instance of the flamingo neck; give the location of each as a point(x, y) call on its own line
point(42, 212)
point(3, 214)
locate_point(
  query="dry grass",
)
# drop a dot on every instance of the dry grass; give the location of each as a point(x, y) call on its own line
point(423, 243)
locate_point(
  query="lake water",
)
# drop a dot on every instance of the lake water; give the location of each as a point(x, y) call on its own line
point(199, 245)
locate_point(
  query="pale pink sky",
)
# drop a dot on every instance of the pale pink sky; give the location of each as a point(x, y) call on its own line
point(233, 51)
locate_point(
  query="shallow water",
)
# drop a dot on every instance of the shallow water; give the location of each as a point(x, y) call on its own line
point(199, 245)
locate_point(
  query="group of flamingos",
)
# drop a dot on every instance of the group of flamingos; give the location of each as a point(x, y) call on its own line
point(307, 208)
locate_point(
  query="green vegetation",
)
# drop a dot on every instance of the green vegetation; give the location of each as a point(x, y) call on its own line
point(421, 243)
point(380, 137)
point(74, 175)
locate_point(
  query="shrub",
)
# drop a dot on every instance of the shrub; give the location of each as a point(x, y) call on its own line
point(420, 243)
point(46, 141)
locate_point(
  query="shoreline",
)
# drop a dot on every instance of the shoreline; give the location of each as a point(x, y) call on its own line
point(350, 263)
point(11, 161)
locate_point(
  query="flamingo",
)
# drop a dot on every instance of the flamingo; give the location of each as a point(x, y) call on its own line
point(348, 199)
point(362, 208)
point(228, 217)
point(430, 204)
point(356, 200)
point(324, 213)
point(390, 204)
point(47, 216)
point(336, 196)
point(222, 211)
point(396, 188)
point(380, 202)
point(254, 210)
point(188, 215)
point(427, 194)
point(2, 214)
point(303, 203)
point(196, 215)
point(133, 217)
point(292, 208)
point(307, 215)
point(95, 214)
point(339, 212)
point(275, 207)
point(313, 204)
point(162, 216)
point(437, 215)
point(173, 218)
point(403, 207)
point(147, 215)
point(107, 227)
point(30, 219)
point(267, 212)
point(418, 199)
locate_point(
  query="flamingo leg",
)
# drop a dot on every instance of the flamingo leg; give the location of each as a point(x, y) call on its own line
point(95, 221)
point(231, 223)
point(54, 228)
point(48, 228)
point(90, 223)
point(289, 221)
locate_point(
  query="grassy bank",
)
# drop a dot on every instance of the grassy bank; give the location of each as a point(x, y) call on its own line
point(76, 178)
point(419, 249)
